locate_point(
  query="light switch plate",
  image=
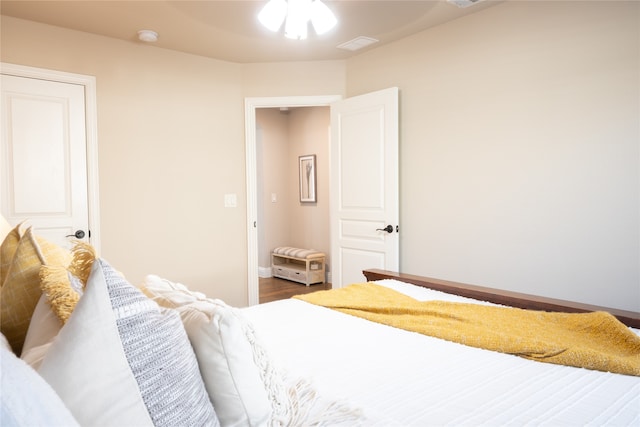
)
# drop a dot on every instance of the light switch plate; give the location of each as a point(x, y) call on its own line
point(230, 201)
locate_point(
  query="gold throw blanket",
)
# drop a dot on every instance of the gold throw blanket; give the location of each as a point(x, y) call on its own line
point(589, 340)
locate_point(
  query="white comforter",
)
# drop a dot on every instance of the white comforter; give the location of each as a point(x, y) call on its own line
point(407, 379)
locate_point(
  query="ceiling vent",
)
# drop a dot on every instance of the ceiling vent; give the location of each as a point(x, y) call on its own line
point(463, 3)
point(357, 43)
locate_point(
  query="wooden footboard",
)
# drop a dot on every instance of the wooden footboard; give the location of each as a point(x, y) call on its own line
point(497, 296)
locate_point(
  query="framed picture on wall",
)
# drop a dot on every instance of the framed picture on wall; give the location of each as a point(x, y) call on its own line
point(307, 166)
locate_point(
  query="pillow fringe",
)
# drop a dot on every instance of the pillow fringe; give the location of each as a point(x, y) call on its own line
point(83, 257)
point(308, 409)
point(57, 285)
point(54, 282)
point(298, 404)
point(274, 386)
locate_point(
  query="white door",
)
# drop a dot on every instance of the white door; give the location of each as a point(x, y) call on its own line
point(43, 158)
point(364, 186)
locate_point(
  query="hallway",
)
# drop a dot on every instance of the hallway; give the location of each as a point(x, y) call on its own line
point(273, 289)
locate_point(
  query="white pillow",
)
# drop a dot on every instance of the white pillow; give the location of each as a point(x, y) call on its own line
point(43, 328)
point(241, 381)
point(245, 386)
point(121, 360)
point(27, 400)
point(230, 368)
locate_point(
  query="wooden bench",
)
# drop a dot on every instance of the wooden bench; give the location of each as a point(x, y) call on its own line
point(299, 265)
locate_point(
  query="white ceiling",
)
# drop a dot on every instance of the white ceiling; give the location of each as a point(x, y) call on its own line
point(229, 30)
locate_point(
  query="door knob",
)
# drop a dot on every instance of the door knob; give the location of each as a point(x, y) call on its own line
point(388, 229)
point(79, 234)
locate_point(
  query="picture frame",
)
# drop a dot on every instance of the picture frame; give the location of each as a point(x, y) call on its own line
point(307, 166)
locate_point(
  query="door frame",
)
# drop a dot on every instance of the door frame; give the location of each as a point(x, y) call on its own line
point(91, 119)
point(250, 106)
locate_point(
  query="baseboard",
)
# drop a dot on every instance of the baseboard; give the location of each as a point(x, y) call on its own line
point(264, 272)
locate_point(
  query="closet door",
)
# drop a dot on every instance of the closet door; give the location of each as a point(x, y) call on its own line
point(43, 157)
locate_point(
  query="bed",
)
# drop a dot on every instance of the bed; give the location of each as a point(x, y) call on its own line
point(159, 354)
point(406, 379)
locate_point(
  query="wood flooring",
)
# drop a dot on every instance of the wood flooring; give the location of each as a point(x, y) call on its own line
point(273, 289)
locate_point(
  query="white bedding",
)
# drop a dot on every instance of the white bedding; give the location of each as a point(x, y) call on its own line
point(407, 379)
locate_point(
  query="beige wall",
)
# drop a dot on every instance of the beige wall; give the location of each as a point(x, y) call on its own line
point(309, 134)
point(294, 79)
point(171, 145)
point(273, 175)
point(519, 148)
point(282, 138)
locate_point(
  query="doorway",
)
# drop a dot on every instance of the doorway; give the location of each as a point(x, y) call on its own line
point(251, 105)
point(287, 216)
point(362, 236)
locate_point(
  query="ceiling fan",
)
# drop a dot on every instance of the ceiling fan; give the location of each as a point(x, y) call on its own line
point(296, 15)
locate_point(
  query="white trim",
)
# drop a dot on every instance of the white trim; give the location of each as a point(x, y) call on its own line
point(91, 118)
point(264, 272)
point(250, 106)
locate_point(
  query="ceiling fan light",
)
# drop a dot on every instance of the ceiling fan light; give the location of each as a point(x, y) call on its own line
point(297, 19)
point(272, 14)
point(321, 17)
point(295, 30)
point(296, 15)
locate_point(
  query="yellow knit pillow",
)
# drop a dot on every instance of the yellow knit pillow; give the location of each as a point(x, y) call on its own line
point(8, 249)
point(55, 280)
point(21, 282)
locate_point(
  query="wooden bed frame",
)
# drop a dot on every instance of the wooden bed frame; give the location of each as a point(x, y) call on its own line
point(497, 296)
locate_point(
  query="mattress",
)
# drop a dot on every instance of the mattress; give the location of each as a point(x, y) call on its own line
point(406, 379)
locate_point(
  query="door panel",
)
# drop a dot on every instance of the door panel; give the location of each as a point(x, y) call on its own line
point(353, 260)
point(43, 157)
point(364, 186)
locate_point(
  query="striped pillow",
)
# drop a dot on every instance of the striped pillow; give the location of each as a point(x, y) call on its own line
point(122, 360)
